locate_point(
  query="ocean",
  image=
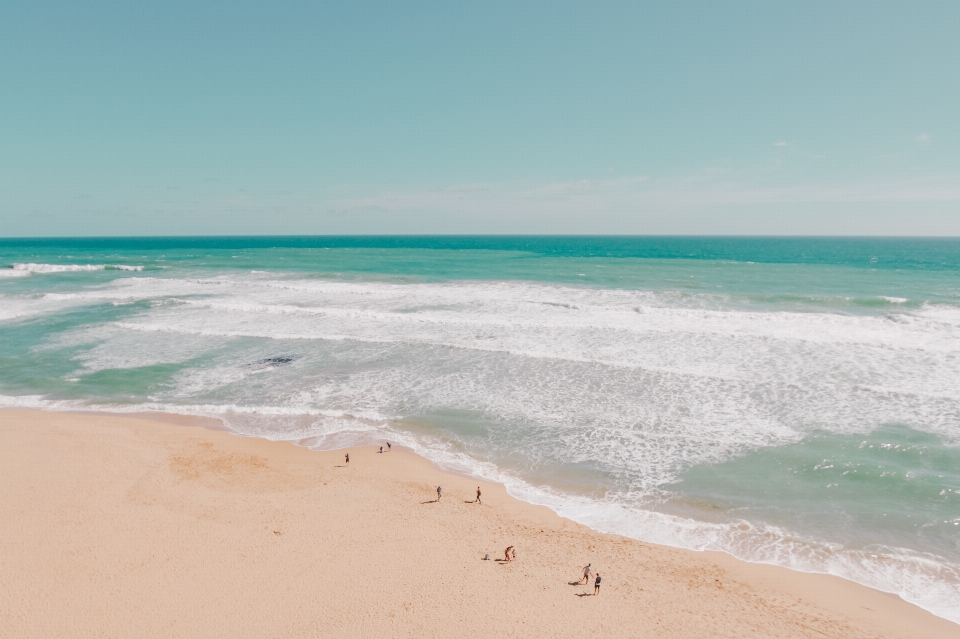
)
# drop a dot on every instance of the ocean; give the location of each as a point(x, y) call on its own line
point(793, 401)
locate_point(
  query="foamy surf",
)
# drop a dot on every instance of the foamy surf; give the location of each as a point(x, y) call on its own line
point(70, 268)
point(12, 272)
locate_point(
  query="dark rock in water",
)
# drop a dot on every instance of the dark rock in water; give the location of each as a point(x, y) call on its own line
point(273, 362)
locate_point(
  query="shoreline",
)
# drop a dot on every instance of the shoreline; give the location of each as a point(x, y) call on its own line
point(218, 424)
point(202, 498)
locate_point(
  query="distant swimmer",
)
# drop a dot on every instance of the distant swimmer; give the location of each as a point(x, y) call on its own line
point(347, 457)
point(478, 495)
point(439, 493)
point(596, 585)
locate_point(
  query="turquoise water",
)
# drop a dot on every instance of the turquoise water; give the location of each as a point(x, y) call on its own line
point(793, 401)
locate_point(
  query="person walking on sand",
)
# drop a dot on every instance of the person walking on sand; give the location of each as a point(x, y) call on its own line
point(389, 447)
point(347, 457)
point(586, 574)
point(478, 496)
point(439, 492)
point(596, 585)
point(506, 553)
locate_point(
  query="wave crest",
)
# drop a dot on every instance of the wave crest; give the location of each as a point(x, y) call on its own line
point(31, 267)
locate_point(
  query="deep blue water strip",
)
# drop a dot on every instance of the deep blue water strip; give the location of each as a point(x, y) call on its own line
point(864, 252)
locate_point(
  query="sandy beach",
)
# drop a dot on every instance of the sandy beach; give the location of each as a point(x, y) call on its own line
point(116, 526)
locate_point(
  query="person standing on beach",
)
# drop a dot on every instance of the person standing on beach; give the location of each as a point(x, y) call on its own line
point(478, 496)
point(586, 574)
point(596, 585)
point(347, 457)
point(389, 447)
point(439, 492)
point(506, 554)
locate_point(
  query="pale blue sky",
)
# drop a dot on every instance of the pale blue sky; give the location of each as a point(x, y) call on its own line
point(479, 117)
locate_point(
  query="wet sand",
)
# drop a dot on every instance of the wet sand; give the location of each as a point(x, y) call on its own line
point(123, 526)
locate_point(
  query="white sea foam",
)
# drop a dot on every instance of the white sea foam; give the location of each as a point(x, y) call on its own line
point(496, 305)
point(15, 307)
point(612, 328)
point(837, 367)
point(57, 268)
point(808, 369)
point(12, 272)
point(68, 268)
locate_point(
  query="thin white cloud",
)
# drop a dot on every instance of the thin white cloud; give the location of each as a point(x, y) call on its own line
point(643, 192)
point(707, 202)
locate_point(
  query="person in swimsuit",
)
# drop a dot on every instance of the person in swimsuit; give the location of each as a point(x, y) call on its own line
point(586, 574)
point(439, 491)
point(478, 496)
point(506, 553)
point(347, 457)
point(596, 585)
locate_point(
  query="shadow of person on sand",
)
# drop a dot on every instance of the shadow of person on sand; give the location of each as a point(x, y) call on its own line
point(574, 583)
point(432, 501)
point(584, 594)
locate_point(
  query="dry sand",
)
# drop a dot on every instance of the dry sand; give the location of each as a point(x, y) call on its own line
point(115, 526)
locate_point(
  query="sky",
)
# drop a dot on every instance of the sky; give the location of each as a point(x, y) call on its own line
point(187, 118)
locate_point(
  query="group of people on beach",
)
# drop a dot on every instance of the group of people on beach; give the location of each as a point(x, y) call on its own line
point(346, 457)
point(440, 494)
point(587, 571)
point(510, 553)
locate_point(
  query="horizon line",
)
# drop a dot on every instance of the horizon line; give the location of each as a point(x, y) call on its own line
point(479, 235)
